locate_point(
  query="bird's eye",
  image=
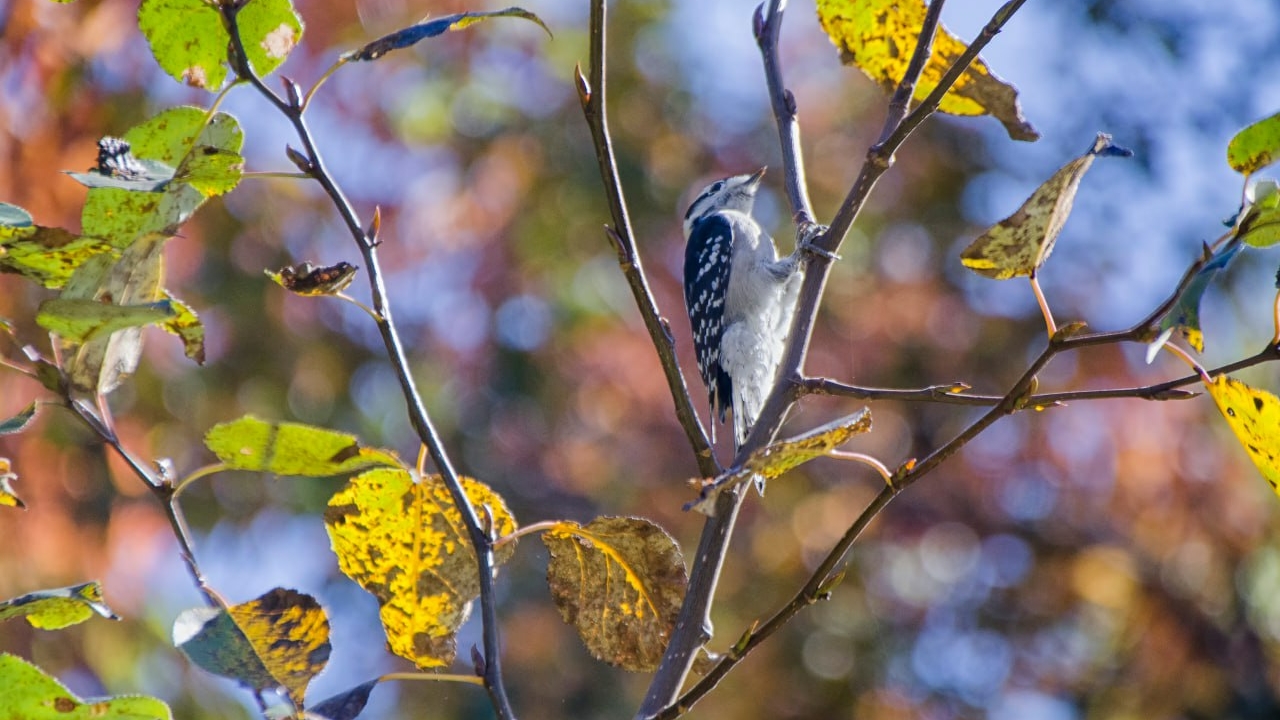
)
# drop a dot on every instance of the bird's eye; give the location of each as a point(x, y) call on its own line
point(717, 187)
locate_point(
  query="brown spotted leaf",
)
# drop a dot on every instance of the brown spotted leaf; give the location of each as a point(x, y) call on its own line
point(308, 280)
point(31, 694)
point(773, 461)
point(620, 582)
point(1256, 146)
point(1019, 244)
point(47, 255)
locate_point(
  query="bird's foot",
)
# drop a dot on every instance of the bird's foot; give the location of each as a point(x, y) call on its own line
point(809, 234)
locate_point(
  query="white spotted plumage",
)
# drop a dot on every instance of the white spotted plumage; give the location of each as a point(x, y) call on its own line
point(741, 298)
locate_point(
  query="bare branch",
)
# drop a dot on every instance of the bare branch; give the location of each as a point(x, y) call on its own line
point(592, 95)
point(953, 394)
point(767, 25)
point(817, 588)
point(480, 539)
point(901, 100)
point(161, 487)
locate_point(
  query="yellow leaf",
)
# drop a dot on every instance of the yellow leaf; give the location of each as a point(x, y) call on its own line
point(879, 37)
point(290, 633)
point(1019, 244)
point(1254, 417)
point(620, 582)
point(774, 460)
point(56, 609)
point(278, 639)
point(406, 543)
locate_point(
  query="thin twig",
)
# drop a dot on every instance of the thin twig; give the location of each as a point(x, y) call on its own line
point(953, 394)
point(293, 109)
point(163, 490)
point(767, 26)
point(592, 94)
point(900, 103)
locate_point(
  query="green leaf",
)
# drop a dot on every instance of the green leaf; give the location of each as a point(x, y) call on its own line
point(292, 449)
point(270, 30)
point(187, 39)
point(1256, 146)
point(278, 639)
point(190, 42)
point(16, 423)
point(170, 137)
point(415, 33)
point(81, 320)
point(58, 608)
point(211, 170)
point(48, 255)
point(1185, 314)
point(30, 694)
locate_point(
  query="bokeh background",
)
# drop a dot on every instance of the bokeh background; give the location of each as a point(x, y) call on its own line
point(1113, 559)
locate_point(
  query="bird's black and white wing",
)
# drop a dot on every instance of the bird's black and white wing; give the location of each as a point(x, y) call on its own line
point(707, 261)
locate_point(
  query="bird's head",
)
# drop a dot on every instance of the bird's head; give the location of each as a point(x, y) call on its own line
point(731, 193)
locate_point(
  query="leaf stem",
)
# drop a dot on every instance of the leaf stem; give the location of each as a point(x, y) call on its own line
point(1044, 305)
point(433, 677)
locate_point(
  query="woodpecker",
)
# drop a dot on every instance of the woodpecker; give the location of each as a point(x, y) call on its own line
point(741, 299)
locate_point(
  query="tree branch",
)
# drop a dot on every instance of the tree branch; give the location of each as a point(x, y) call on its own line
point(767, 25)
point(592, 95)
point(953, 394)
point(481, 541)
point(162, 488)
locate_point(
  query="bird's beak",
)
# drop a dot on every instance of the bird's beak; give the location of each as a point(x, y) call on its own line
point(755, 176)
